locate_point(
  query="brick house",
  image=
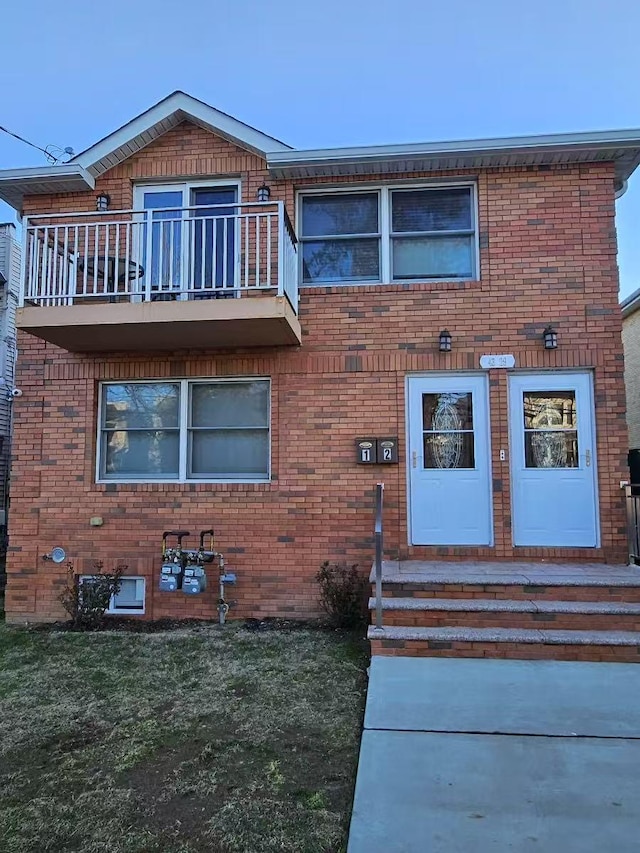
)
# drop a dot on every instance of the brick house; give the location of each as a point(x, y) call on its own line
point(211, 320)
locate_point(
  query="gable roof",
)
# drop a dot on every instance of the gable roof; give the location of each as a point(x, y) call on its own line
point(622, 147)
point(166, 114)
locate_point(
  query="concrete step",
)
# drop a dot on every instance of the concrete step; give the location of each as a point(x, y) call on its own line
point(516, 643)
point(505, 613)
point(509, 581)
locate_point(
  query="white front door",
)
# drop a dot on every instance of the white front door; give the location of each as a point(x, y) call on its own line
point(449, 460)
point(553, 472)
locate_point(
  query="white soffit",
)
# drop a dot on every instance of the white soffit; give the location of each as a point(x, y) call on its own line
point(165, 115)
point(15, 184)
point(622, 147)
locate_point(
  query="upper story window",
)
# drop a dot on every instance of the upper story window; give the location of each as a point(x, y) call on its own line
point(389, 234)
point(185, 430)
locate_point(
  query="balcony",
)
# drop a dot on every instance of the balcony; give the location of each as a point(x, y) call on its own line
point(209, 277)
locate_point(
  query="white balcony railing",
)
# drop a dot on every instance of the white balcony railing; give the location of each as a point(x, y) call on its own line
point(217, 251)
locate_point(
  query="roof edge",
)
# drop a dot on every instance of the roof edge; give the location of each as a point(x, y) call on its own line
point(186, 106)
point(47, 172)
point(630, 304)
point(588, 140)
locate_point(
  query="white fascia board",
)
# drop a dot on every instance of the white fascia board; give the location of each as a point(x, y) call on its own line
point(15, 184)
point(52, 173)
point(630, 304)
point(187, 107)
point(507, 145)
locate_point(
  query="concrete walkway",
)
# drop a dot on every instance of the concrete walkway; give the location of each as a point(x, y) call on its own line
point(471, 756)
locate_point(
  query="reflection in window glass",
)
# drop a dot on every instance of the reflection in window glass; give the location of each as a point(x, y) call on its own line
point(356, 259)
point(222, 433)
point(139, 437)
point(550, 429)
point(340, 215)
point(452, 410)
point(339, 238)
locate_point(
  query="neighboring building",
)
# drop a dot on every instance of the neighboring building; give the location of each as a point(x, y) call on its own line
point(631, 345)
point(193, 357)
point(9, 292)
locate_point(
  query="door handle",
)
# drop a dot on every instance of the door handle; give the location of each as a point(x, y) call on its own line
point(414, 459)
point(587, 458)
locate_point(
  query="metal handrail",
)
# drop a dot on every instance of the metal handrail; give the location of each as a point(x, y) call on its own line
point(201, 251)
point(632, 499)
point(378, 535)
point(141, 211)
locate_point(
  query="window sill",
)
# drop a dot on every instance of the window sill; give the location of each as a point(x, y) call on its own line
point(391, 287)
point(188, 485)
point(124, 612)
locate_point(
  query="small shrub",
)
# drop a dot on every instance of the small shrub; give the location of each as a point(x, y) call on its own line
point(86, 601)
point(344, 594)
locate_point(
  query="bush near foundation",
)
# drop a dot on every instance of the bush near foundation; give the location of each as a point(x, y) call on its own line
point(344, 594)
point(86, 601)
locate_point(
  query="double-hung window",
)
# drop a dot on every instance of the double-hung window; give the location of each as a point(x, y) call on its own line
point(389, 234)
point(208, 430)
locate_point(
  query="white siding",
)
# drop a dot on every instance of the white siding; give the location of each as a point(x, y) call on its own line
point(10, 268)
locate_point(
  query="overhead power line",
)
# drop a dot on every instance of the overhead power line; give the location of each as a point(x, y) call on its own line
point(48, 151)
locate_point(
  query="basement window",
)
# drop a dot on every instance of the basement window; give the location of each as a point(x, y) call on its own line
point(130, 598)
point(388, 234)
point(184, 431)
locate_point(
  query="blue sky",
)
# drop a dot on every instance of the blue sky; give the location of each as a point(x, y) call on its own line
point(341, 72)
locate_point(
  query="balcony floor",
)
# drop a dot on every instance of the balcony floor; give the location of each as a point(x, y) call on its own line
point(260, 321)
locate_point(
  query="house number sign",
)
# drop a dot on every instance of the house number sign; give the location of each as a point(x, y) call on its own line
point(377, 451)
point(367, 451)
point(488, 362)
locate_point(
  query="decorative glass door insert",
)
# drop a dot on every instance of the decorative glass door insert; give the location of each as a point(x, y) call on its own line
point(447, 422)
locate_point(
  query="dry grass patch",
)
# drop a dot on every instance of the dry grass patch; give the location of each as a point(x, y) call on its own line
point(200, 739)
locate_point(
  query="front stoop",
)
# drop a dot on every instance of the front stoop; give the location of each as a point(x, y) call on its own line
point(518, 611)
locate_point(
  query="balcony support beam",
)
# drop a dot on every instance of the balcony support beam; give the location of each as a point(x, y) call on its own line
point(261, 321)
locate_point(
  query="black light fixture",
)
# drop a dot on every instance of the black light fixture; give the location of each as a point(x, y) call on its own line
point(264, 193)
point(550, 337)
point(445, 341)
point(102, 202)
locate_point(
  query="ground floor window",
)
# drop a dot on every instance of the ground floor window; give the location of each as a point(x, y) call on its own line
point(183, 430)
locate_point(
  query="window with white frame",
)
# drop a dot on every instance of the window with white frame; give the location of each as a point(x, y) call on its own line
point(184, 430)
point(388, 234)
point(130, 598)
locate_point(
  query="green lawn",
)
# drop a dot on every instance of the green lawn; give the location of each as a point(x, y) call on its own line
point(211, 739)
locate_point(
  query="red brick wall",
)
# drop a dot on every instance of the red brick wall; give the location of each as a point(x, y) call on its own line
point(548, 254)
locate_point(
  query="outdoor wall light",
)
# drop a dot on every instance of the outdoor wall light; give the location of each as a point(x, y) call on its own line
point(102, 202)
point(550, 337)
point(445, 341)
point(264, 193)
